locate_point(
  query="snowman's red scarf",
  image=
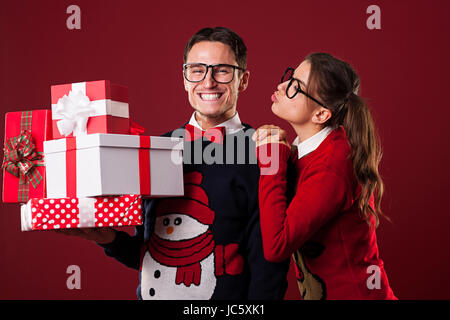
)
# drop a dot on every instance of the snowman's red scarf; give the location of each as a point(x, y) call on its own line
point(185, 255)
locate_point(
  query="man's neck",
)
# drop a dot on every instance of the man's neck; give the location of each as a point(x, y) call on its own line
point(206, 122)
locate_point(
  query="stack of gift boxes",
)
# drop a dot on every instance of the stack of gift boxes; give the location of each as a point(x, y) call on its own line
point(83, 163)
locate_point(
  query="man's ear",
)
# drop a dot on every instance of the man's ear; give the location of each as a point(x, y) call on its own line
point(321, 115)
point(185, 84)
point(243, 84)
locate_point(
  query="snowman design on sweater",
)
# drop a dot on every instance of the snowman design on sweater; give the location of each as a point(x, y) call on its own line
point(181, 259)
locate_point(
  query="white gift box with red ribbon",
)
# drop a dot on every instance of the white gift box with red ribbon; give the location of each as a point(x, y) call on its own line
point(114, 164)
point(69, 213)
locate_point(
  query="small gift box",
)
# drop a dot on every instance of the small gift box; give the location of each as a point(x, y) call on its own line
point(23, 159)
point(111, 164)
point(89, 107)
point(68, 213)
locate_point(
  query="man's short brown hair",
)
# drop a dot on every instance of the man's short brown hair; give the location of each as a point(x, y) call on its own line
point(223, 35)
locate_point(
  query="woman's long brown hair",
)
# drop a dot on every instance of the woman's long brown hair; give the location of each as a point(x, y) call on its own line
point(336, 84)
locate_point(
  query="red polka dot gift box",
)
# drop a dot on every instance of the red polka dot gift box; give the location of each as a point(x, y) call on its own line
point(69, 213)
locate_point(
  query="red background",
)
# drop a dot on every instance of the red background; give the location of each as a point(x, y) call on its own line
point(403, 69)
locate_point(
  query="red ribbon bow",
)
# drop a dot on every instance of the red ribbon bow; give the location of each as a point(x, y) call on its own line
point(21, 159)
point(136, 129)
point(215, 134)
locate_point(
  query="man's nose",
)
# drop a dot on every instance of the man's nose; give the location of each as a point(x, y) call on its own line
point(209, 80)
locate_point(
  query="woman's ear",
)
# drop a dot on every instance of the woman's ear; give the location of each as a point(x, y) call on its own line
point(321, 115)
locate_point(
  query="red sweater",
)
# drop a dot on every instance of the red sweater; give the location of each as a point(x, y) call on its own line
point(333, 247)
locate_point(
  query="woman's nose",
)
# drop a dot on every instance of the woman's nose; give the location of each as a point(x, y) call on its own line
point(282, 86)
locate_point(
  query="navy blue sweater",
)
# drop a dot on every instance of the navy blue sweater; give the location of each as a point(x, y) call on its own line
point(228, 190)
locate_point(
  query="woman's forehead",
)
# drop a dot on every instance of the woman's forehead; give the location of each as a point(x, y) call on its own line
point(302, 71)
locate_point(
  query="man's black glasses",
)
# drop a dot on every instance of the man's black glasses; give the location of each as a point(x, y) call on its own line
point(221, 73)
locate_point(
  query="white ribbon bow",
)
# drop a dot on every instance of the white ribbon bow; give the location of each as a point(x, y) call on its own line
point(75, 110)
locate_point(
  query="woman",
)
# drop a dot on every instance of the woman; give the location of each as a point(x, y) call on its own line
point(325, 218)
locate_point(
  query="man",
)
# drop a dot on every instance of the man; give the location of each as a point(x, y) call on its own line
point(206, 244)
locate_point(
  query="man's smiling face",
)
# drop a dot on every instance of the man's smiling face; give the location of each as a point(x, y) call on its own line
point(214, 102)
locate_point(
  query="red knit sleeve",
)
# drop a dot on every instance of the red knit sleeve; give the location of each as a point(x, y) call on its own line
point(320, 194)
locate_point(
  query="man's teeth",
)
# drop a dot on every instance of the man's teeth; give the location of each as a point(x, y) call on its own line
point(210, 96)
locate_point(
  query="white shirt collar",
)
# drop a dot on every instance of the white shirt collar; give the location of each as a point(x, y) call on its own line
point(312, 143)
point(232, 125)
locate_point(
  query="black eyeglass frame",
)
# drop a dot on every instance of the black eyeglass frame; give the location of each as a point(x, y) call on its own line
point(298, 89)
point(208, 66)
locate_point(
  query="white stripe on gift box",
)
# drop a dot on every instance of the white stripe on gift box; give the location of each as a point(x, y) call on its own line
point(103, 107)
point(25, 216)
point(86, 212)
point(79, 86)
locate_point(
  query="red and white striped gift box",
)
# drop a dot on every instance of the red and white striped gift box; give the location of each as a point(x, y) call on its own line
point(106, 108)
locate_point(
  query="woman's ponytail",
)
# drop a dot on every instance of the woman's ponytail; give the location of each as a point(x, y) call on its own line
point(366, 156)
point(337, 84)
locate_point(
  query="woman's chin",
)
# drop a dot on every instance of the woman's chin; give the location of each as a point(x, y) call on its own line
point(276, 110)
